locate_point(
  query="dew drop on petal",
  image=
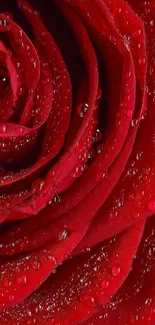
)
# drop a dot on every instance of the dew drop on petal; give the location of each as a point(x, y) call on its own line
point(52, 258)
point(36, 265)
point(63, 235)
point(3, 22)
point(136, 215)
point(98, 135)
point(134, 122)
point(142, 61)
point(11, 298)
point(113, 215)
point(7, 284)
point(82, 109)
point(128, 74)
point(137, 33)
point(105, 284)
point(100, 175)
point(4, 81)
point(129, 113)
point(100, 148)
point(56, 199)
point(152, 311)
point(88, 300)
point(91, 154)
point(134, 319)
point(4, 128)
point(117, 11)
point(37, 185)
point(116, 270)
point(22, 280)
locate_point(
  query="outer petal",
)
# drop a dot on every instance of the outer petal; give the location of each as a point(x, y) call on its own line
point(24, 274)
point(134, 303)
point(78, 289)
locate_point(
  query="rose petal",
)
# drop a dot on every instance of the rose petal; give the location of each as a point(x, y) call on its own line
point(35, 268)
point(38, 204)
point(71, 294)
point(134, 302)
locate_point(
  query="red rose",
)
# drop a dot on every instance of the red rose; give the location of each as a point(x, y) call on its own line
point(77, 162)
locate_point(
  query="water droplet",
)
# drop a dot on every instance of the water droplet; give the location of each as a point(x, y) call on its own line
point(4, 128)
point(37, 185)
point(151, 205)
point(129, 113)
point(34, 64)
point(152, 311)
point(82, 109)
point(134, 319)
point(128, 75)
point(117, 11)
point(63, 235)
point(22, 280)
point(127, 97)
point(113, 215)
point(4, 79)
point(139, 155)
point(136, 215)
point(36, 265)
point(134, 122)
point(91, 154)
point(88, 300)
point(3, 22)
point(7, 283)
point(77, 172)
point(66, 109)
point(100, 148)
point(137, 33)
point(100, 176)
point(52, 258)
point(152, 22)
point(98, 135)
point(11, 298)
point(142, 61)
point(56, 199)
point(105, 284)
point(116, 270)
point(148, 301)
